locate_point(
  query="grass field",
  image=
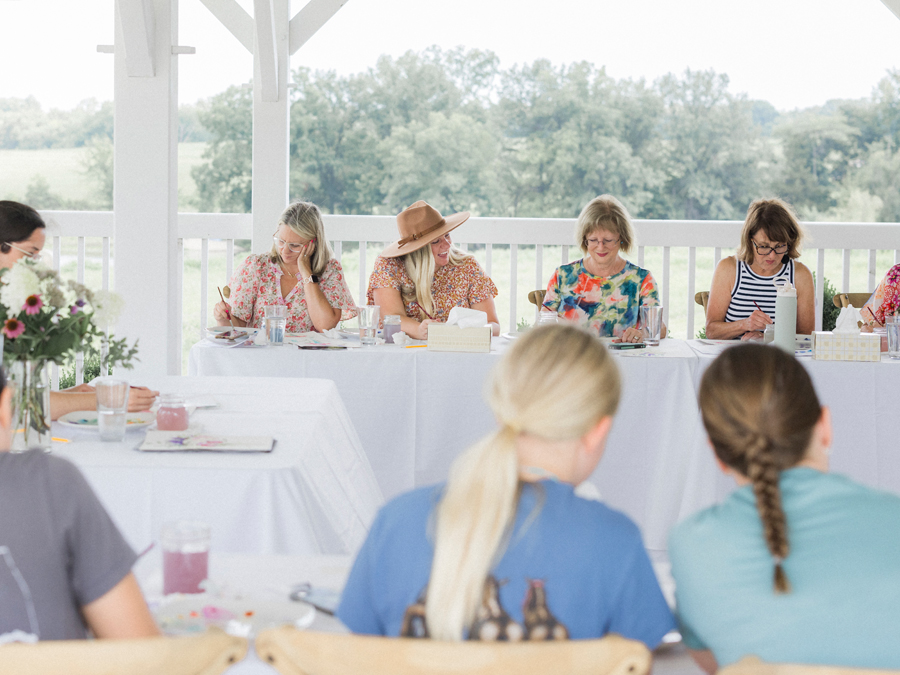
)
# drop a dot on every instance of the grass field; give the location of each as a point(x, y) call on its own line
point(62, 168)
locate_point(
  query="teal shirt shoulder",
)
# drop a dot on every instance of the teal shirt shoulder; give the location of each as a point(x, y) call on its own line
point(843, 567)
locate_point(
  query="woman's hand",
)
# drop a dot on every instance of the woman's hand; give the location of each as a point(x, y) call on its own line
point(421, 331)
point(303, 259)
point(756, 321)
point(141, 398)
point(752, 335)
point(222, 313)
point(633, 335)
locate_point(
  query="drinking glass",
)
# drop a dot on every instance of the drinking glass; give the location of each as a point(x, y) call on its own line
point(185, 546)
point(651, 322)
point(368, 323)
point(172, 414)
point(892, 324)
point(276, 321)
point(112, 404)
point(391, 328)
point(546, 316)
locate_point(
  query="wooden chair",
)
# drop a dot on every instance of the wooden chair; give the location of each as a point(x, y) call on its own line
point(752, 665)
point(847, 299)
point(294, 652)
point(702, 299)
point(536, 298)
point(208, 654)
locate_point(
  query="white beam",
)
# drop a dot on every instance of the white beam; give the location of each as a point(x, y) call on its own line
point(234, 18)
point(266, 48)
point(271, 125)
point(145, 198)
point(893, 5)
point(137, 28)
point(310, 19)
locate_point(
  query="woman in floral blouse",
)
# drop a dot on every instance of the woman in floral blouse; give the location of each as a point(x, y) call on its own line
point(886, 298)
point(300, 271)
point(602, 290)
point(421, 277)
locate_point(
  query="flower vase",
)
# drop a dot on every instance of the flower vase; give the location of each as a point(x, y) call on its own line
point(30, 382)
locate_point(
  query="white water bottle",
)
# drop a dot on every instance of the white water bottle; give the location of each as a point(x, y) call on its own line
point(786, 317)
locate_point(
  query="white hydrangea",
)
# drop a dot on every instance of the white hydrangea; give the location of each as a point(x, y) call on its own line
point(107, 307)
point(19, 283)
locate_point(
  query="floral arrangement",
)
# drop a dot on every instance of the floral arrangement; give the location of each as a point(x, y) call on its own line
point(47, 320)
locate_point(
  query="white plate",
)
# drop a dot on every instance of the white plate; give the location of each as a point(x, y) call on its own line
point(186, 614)
point(213, 331)
point(514, 334)
point(87, 419)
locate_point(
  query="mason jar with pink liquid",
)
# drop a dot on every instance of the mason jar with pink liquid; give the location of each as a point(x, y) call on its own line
point(172, 414)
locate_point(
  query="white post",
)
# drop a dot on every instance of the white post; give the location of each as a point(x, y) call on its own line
point(145, 196)
point(271, 119)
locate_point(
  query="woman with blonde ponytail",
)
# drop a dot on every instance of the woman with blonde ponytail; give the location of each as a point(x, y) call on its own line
point(506, 550)
point(796, 565)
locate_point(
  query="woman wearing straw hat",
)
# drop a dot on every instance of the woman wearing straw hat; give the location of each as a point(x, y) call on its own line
point(422, 276)
point(507, 550)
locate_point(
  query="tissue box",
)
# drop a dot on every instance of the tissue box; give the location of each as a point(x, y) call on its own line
point(847, 346)
point(455, 339)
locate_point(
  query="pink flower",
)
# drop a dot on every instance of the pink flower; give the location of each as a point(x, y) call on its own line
point(13, 328)
point(33, 304)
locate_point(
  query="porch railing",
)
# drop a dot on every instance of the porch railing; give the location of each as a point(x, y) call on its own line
point(489, 236)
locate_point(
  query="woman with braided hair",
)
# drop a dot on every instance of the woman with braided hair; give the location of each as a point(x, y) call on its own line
point(797, 565)
point(507, 550)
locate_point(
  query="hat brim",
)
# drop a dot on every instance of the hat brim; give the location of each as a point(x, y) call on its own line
point(450, 223)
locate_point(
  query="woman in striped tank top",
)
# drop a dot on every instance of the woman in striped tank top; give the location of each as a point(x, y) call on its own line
point(742, 297)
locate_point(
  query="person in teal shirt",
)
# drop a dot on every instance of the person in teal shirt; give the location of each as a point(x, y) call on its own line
point(797, 565)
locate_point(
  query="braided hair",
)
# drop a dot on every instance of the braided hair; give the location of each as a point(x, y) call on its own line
point(759, 408)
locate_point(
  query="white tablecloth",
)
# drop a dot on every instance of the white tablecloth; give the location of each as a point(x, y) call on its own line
point(314, 493)
point(416, 410)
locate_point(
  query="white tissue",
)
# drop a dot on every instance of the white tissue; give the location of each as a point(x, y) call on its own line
point(333, 333)
point(847, 320)
point(402, 339)
point(260, 338)
point(467, 318)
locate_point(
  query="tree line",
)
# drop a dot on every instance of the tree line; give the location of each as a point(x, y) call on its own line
point(540, 140)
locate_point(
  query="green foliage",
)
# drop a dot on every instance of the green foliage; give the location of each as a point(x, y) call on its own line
point(829, 311)
point(523, 325)
point(701, 334)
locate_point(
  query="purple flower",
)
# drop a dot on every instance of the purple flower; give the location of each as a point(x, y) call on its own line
point(75, 309)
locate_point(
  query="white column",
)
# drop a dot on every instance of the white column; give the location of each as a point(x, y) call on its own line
point(271, 119)
point(145, 197)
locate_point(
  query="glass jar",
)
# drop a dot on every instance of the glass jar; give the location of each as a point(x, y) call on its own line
point(172, 414)
point(391, 327)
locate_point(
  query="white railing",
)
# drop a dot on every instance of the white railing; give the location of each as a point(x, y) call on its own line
point(494, 234)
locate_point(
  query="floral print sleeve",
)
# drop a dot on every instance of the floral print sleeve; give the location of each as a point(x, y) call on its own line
point(244, 289)
point(886, 298)
point(481, 287)
point(607, 305)
point(334, 287)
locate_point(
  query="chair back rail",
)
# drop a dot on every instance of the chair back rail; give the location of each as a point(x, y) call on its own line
point(752, 665)
point(294, 652)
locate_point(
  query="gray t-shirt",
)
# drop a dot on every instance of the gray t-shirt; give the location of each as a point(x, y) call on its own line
point(59, 549)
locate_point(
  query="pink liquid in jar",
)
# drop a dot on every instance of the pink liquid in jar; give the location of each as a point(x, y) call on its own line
point(183, 571)
point(172, 414)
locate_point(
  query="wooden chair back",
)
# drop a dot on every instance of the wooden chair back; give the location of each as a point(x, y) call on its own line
point(294, 652)
point(752, 665)
point(847, 299)
point(536, 298)
point(702, 299)
point(208, 654)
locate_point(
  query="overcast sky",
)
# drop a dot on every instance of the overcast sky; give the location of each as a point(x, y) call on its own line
point(792, 53)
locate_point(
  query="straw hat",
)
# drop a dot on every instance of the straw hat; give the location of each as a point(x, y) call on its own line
point(419, 225)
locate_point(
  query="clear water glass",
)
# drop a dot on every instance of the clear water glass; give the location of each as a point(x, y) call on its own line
point(892, 325)
point(276, 322)
point(651, 322)
point(368, 316)
point(112, 405)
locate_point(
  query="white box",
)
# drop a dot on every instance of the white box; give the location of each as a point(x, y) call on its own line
point(443, 338)
point(847, 346)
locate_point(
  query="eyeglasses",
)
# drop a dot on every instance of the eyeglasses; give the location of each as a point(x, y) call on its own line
point(34, 255)
point(293, 248)
point(593, 241)
point(766, 250)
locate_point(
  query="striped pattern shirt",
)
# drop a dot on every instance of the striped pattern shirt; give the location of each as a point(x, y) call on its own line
point(750, 287)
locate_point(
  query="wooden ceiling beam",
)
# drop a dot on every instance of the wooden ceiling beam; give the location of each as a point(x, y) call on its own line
point(231, 15)
point(310, 19)
point(137, 22)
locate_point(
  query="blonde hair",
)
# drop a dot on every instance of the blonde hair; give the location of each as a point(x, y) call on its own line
point(420, 267)
point(776, 218)
point(759, 408)
point(305, 220)
point(556, 382)
point(605, 213)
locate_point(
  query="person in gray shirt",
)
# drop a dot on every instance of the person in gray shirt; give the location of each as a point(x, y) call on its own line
point(64, 567)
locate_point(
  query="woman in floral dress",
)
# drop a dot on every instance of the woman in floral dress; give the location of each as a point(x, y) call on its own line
point(422, 276)
point(300, 271)
point(886, 298)
point(602, 290)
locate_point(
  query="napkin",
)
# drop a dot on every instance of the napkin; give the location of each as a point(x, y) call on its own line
point(467, 318)
point(402, 339)
point(847, 321)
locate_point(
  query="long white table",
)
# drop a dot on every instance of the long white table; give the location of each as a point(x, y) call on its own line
point(315, 493)
point(416, 411)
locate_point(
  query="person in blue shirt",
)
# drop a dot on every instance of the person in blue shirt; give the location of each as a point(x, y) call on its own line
point(506, 550)
point(796, 565)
